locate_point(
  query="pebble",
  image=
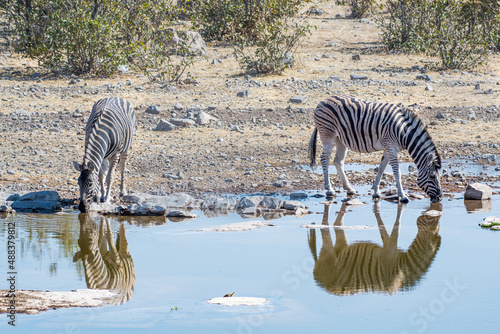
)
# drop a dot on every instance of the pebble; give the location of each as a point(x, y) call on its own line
point(358, 77)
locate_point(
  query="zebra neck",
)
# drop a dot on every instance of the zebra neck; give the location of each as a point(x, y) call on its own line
point(418, 142)
point(94, 153)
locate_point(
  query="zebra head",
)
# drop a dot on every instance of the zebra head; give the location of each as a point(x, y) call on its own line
point(429, 178)
point(88, 183)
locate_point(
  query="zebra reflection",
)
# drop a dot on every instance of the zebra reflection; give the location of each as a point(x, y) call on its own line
point(106, 268)
point(344, 269)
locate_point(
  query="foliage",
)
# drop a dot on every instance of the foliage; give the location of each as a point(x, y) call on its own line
point(458, 31)
point(359, 8)
point(92, 36)
point(272, 50)
point(155, 57)
point(233, 19)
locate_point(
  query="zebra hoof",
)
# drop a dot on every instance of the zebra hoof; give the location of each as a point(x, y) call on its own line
point(376, 196)
point(330, 194)
point(351, 192)
point(404, 200)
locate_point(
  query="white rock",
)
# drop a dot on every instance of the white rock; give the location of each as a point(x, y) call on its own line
point(238, 301)
point(237, 227)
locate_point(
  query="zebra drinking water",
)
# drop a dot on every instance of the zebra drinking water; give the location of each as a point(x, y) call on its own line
point(351, 124)
point(108, 136)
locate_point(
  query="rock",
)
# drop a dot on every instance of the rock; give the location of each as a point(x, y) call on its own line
point(6, 208)
point(216, 61)
point(293, 205)
point(165, 125)
point(142, 209)
point(356, 57)
point(179, 107)
point(181, 214)
point(205, 118)
point(490, 221)
point(182, 122)
point(358, 77)
point(298, 195)
point(238, 301)
point(105, 208)
point(298, 99)
point(238, 227)
point(353, 202)
point(243, 93)
point(478, 191)
point(282, 184)
point(249, 202)
point(176, 200)
point(184, 40)
point(424, 77)
point(301, 212)
point(153, 110)
point(41, 201)
point(214, 202)
point(272, 203)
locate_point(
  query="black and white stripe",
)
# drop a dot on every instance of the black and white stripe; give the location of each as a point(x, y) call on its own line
point(344, 269)
point(351, 124)
point(106, 265)
point(108, 136)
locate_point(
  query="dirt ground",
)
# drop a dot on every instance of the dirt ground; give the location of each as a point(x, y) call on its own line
point(259, 142)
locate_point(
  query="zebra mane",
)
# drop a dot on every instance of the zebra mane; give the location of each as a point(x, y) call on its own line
point(412, 118)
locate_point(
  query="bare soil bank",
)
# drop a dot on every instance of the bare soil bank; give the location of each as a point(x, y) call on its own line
point(259, 143)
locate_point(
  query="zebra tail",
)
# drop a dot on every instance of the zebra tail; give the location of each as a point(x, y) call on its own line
point(312, 149)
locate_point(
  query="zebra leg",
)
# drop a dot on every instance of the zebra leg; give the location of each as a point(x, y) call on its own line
point(328, 145)
point(340, 155)
point(393, 160)
point(121, 166)
point(102, 172)
point(381, 169)
point(109, 178)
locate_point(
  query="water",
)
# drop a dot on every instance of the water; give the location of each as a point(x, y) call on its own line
point(437, 275)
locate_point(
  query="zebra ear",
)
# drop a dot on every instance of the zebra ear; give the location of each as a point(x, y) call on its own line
point(77, 166)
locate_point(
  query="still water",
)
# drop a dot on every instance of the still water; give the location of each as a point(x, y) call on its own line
point(379, 267)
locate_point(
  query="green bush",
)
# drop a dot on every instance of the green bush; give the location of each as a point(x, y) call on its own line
point(230, 19)
point(458, 32)
point(273, 49)
point(359, 8)
point(82, 36)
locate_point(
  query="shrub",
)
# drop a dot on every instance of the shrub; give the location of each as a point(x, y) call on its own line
point(359, 8)
point(273, 50)
point(459, 32)
point(94, 37)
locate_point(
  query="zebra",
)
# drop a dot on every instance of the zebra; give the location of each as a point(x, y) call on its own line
point(344, 269)
point(108, 136)
point(351, 124)
point(105, 268)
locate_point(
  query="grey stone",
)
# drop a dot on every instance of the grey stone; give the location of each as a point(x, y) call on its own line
point(181, 214)
point(356, 57)
point(249, 202)
point(205, 118)
point(424, 77)
point(298, 99)
point(184, 40)
point(478, 191)
point(154, 110)
point(216, 61)
point(6, 208)
point(293, 205)
point(165, 125)
point(243, 93)
point(298, 195)
point(272, 203)
point(214, 202)
point(182, 122)
point(358, 77)
point(179, 106)
point(43, 196)
point(143, 209)
point(36, 206)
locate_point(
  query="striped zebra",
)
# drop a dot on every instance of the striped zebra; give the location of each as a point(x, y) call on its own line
point(107, 265)
point(108, 136)
point(350, 124)
point(344, 269)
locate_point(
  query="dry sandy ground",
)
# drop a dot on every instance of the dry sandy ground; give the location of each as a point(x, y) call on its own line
point(42, 118)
